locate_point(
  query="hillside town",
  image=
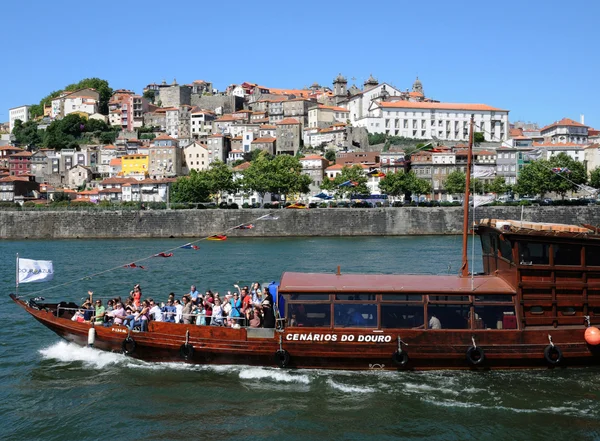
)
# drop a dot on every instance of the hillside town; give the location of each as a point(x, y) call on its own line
point(172, 130)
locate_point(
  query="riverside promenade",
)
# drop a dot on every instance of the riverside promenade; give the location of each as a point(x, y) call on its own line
point(17, 225)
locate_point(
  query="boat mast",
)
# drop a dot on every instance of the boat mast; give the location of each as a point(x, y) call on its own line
point(465, 259)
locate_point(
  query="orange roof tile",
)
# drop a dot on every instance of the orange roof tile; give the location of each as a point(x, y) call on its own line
point(115, 162)
point(163, 137)
point(243, 166)
point(564, 122)
point(311, 157)
point(264, 139)
point(287, 121)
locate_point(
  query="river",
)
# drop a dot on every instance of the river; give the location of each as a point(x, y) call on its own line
point(56, 391)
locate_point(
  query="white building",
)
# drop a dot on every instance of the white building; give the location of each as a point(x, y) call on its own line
point(439, 121)
point(201, 123)
point(358, 105)
point(325, 116)
point(196, 156)
point(21, 112)
point(334, 135)
point(83, 104)
point(565, 131)
point(549, 149)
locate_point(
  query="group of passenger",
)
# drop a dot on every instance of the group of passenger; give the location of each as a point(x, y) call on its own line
point(246, 306)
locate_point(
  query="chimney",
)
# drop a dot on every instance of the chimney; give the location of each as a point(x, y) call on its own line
point(582, 119)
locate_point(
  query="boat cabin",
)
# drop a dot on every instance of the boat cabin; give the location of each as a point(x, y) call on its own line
point(382, 301)
point(553, 268)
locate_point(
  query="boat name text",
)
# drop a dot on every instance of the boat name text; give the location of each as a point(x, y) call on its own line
point(342, 338)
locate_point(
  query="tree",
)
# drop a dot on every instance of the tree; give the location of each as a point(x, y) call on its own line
point(349, 181)
point(376, 138)
point(194, 188)
point(498, 185)
point(150, 95)
point(560, 174)
point(27, 134)
point(478, 137)
point(220, 179)
point(330, 156)
point(401, 183)
point(455, 182)
point(256, 177)
point(595, 178)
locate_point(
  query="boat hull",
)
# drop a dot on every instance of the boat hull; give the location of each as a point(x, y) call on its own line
point(324, 348)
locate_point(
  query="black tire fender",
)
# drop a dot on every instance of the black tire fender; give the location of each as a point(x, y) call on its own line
point(186, 351)
point(282, 358)
point(475, 356)
point(128, 346)
point(400, 359)
point(553, 355)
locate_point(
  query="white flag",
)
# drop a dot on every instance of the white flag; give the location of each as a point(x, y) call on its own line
point(479, 200)
point(34, 271)
point(480, 171)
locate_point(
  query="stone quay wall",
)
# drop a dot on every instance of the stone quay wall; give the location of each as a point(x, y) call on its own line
point(16, 225)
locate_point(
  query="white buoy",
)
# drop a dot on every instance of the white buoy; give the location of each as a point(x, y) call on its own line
point(91, 337)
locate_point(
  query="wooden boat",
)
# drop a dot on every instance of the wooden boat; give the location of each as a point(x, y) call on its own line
point(534, 305)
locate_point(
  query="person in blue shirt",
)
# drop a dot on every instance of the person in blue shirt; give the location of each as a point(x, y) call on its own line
point(194, 293)
point(169, 311)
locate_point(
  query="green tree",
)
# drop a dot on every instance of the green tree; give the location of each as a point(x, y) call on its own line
point(150, 95)
point(595, 178)
point(257, 176)
point(498, 185)
point(194, 188)
point(455, 182)
point(27, 134)
point(376, 138)
point(288, 178)
point(330, 156)
point(478, 137)
point(352, 180)
point(538, 177)
point(220, 179)
point(401, 183)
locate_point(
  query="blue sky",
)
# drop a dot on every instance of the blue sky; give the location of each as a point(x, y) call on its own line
point(536, 59)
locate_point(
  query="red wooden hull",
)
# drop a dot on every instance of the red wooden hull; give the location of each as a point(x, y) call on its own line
point(369, 349)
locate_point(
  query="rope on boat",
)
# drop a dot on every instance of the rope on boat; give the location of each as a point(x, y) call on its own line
point(143, 258)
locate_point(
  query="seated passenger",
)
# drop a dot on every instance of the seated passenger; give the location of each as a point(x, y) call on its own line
point(186, 312)
point(78, 316)
point(117, 315)
point(434, 323)
point(355, 318)
point(254, 317)
point(293, 321)
point(178, 311)
point(141, 318)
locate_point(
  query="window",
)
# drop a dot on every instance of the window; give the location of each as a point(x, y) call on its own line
point(401, 315)
point(532, 253)
point(311, 315)
point(565, 254)
point(450, 316)
point(361, 315)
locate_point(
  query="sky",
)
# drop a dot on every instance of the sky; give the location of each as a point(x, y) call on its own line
point(536, 59)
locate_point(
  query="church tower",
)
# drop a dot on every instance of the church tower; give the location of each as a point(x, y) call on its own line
point(339, 86)
point(417, 86)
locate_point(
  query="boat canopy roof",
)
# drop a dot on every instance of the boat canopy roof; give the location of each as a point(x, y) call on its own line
point(292, 282)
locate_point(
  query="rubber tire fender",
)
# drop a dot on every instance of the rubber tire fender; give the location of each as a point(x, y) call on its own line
point(553, 355)
point(282, 358)
point(128, 342)
point(186, 351)
point(400, 359)
point(475, 356)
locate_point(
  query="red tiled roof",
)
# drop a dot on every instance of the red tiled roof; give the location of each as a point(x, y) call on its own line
point(563, 122)
point(265, 139)
point(243, 166)
point(287, 121)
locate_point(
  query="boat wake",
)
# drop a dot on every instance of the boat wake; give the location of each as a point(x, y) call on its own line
point(435, 389)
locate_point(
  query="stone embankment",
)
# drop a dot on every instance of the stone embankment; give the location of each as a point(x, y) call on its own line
point(16, 225)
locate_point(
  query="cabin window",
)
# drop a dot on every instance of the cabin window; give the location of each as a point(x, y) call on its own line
point(567, 310)
point(311, 314)
point(356, 297)
point(506, 249)
point(306, 296)
point(592, 256)
point(567, 254)
point(403, 316)
point(495, 317)
point(536, 310)
point(405, 297)
point(495, 298)
point(486, 244)
point(361, 315)
point(532, 253)
point(450, 298)
point(450, 316)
